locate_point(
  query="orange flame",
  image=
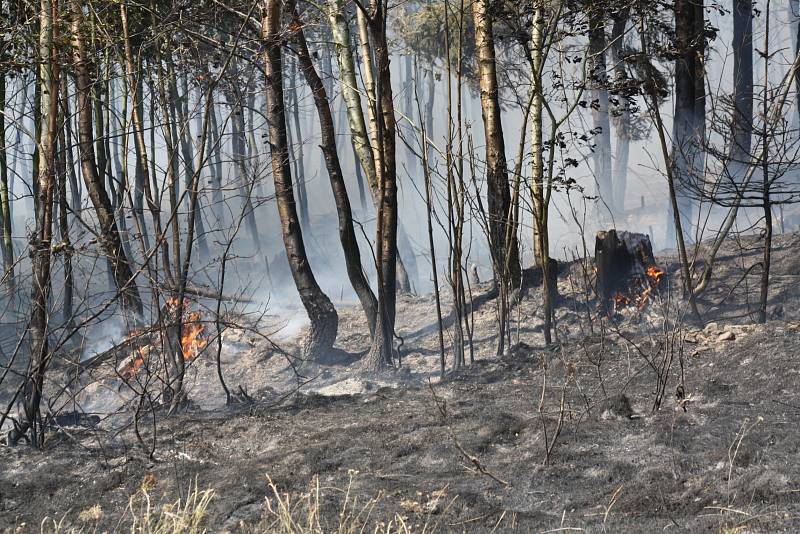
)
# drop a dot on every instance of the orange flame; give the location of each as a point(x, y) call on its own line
point(192, 340)
point(655, 275)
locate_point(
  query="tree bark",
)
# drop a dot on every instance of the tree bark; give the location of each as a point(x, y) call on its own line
point(5, 201)
point(347, 235)
point(688, 131)
point(498, 194)
point(321, 313)
point(381, 353)
point(42, 239)
point(600, 116)
point(63, 225)
point(110, 239)
point(134, 73)
point(742, 127)
point(622, 113)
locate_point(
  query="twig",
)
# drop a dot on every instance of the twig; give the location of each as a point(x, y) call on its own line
point(475, 460)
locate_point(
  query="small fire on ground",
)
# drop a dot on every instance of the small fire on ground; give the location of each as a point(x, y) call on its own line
point(193, 340)
point(641, 289)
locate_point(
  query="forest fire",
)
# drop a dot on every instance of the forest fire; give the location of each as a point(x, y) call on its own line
point(193, 340)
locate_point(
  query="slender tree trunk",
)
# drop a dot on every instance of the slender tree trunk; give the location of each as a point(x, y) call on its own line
point(600, 116)
point(622, 113)
point(347, 73)
point(347, 235)
point(297, 149)
point(240, 159)
point(42, 240)
point(321, 313)
point(5, 201)
point(365, 144)
point(110, 239)
point(381, 353)
point(688, 133)
point(63, 225)
point(765, 185)
point(135, 81)
point(498, 194)
point(214, 141)
point(742, 127)
point(794, 7)
point(166, 99)
point(539, 189)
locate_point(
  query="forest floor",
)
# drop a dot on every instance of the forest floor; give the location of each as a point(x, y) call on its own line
point(468, 453)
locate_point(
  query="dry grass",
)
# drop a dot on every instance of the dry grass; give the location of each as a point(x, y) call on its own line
point(143, 516)
point(303, 513)
point(319, 510)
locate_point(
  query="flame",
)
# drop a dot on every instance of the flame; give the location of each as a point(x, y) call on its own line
point(655, 275)
point(192, 339)
point(641, 290)
point(621, 300)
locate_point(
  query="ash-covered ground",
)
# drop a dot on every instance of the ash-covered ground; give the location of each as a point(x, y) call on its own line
point(560, 438)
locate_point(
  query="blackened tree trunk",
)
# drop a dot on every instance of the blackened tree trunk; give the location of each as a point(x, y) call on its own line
point(321, 313)
point(347, 234)
point(688, 133)
point(742, 127)
point(110, 238)
point(506, 256)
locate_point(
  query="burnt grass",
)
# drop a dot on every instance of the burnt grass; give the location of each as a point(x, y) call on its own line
point(728, 462)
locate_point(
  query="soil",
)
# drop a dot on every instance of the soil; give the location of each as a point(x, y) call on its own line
point(469, 452)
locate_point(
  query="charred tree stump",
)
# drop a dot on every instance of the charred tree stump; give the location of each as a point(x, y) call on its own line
point(627, 272)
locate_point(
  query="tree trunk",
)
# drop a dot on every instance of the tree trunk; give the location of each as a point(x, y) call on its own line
point(63, 225)
point(340, 29)
point(214, 141)
point(765, 184)
point(295, 137)
point(321, 313)
point(688, 134)
point(42, 239)
point(5, 201)
point(622, 113)
point(135, 82)
point(110, 239)
point(742, 127)
point(187, 151)
point(506, 257)
point(600, 117)
point(368, 151)
point(347, 235)
point(794, 7)
point(540, 192)
point(381, 353)
point(238, 140)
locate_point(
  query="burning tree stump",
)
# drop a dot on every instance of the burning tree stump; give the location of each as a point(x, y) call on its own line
point(627, 273)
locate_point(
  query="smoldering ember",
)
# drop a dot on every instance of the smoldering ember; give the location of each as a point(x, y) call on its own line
point(360, 266)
